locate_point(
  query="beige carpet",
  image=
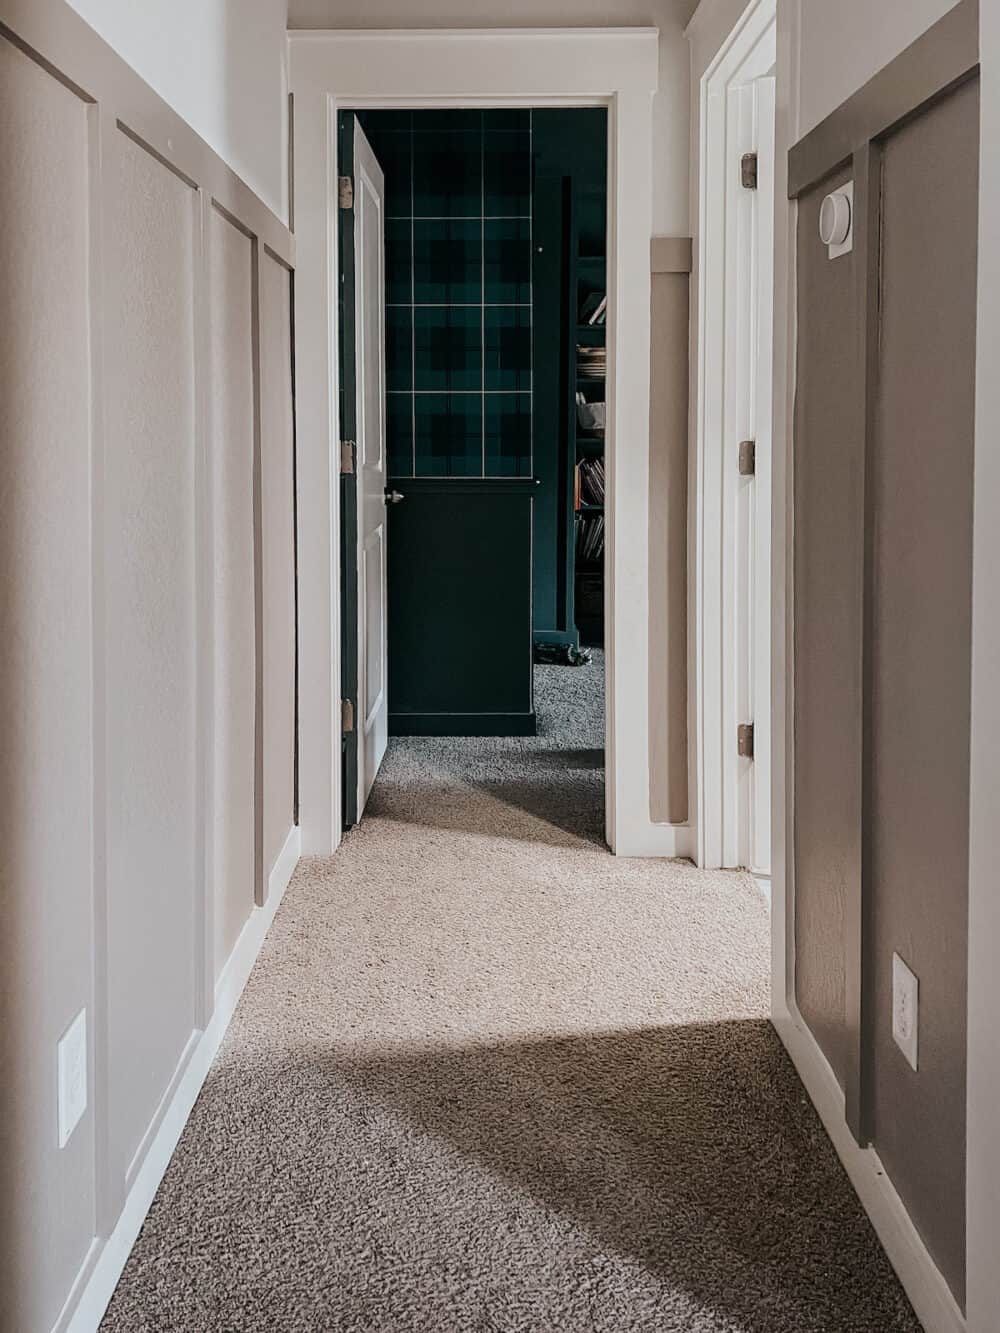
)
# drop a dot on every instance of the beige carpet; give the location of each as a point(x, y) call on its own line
point(487, 1078)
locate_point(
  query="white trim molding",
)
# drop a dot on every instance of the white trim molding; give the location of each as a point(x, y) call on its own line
point(747, 53)
point(920, 1277)
point(85, 1308)
point(614, 67)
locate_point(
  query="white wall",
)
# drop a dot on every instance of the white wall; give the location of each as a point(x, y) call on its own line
point(844, 43)
point(222, 65)
point(670, 105)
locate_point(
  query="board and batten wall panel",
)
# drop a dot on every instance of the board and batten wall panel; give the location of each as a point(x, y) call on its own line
point(278, 558)
point(46, 857)
point(154, 871)
point(884, 434)
point(234, 680)
point(668, 530)
point(921, 480)
point(829, 498)
point(131, 368)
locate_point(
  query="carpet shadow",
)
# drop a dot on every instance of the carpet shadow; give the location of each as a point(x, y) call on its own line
point(691, 1150)
point(556, 807)
point(668, 1180)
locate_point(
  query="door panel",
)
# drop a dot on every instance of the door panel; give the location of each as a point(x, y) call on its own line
point(369, 265)
point(363, 493)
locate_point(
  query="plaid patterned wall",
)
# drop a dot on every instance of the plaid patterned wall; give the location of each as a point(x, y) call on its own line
point(458, 288)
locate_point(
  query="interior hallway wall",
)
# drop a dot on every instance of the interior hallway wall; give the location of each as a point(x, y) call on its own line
point(844, 42)
point(132, 813)
point(222, 65)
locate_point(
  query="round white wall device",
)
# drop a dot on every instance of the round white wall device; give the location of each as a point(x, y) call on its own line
point(835, 218)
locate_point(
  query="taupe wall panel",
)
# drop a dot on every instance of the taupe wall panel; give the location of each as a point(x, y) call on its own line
point(278, 556)
point(46, 855)
point(152, 623)
point(130, 374)
point(921, 476)
point(668, 533)
point(829, 496)
point(233, 443)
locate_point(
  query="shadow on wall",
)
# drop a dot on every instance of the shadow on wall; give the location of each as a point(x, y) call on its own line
point(668, 1178)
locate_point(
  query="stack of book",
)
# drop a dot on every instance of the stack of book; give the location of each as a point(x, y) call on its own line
point(591, 362)
point(590, 537)
point(590, 479)
point(594, 309)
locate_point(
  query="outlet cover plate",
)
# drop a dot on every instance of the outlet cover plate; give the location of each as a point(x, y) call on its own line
point(71, 1057)
point(905, 1009)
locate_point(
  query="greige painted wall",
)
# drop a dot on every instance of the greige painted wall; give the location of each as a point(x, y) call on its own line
point(922, 589)
point(668, 539)
point(278, 554)
point(829, 474)
point(46, 853)
point(127, 621)
point(153, 763)
point(888, 750)
point(234, 678)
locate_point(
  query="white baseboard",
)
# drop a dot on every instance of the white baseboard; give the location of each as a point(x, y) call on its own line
point(83, 1315)
point(929, 1293)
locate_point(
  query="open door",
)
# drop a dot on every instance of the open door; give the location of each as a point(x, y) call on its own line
point(364, 498)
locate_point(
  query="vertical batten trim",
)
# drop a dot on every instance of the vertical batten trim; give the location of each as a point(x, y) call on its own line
point(204, 565)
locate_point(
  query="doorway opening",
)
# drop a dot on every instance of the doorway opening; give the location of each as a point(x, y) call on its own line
point(473, 307)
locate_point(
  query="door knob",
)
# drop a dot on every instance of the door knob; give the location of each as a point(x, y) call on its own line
point(393, 497)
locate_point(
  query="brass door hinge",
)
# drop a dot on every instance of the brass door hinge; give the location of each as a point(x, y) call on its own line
point(345, 192)
point(347, 450)
point(346, 716)
point(748, 171)
point(748, 458)
point(744, 740)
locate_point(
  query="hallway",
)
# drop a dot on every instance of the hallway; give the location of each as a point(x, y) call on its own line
point(486, 1077)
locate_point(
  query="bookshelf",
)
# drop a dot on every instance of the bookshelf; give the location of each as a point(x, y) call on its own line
point(588, 342)
point(570, 268)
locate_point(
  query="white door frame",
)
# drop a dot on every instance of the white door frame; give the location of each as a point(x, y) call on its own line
point(617, 68)
point(721, 597)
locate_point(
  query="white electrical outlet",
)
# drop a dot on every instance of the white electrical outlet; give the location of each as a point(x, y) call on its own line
point(905, 1009)
point(71, 1056)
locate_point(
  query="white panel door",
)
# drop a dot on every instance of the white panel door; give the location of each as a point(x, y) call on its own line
point(372, 720)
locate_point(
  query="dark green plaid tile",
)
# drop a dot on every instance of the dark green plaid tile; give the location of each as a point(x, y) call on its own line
point(398, 347)
point(507, 164)
point(395, 156)
point(507, 252)
point(445, 121)
point(399, 432)
point(447, 175)
point(449, 434)
point(507, 120)
point(447, 262)
point(398, 261)
point(508, 434)
point(377, 123)
point(508, 347)
point(447, 347)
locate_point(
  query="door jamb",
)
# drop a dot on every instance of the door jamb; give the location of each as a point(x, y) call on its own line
point(716, 596)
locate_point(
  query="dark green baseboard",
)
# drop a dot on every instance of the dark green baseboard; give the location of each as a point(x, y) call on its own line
point(462, 724)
